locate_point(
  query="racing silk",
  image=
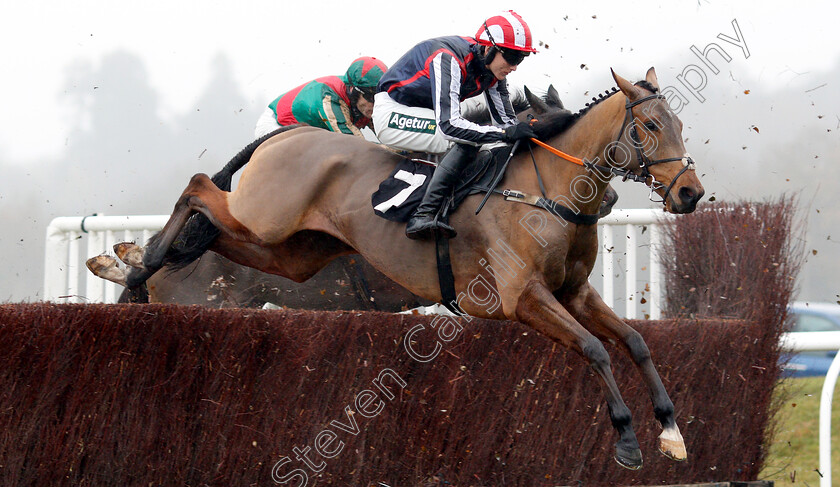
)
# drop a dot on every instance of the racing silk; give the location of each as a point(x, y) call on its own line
point(439, 74)
point(320, 103)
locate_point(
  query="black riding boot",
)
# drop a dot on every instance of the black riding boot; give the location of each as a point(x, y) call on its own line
point(424, 221)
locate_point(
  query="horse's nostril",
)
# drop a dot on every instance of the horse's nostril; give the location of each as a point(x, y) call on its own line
point(687, 195)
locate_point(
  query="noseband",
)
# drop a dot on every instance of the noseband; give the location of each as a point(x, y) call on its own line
point(644, 161)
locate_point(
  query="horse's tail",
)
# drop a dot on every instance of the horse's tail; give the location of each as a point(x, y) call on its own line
point(222, 179)
point(199, 233)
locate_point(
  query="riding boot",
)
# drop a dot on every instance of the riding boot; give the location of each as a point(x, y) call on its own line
point(424, 222)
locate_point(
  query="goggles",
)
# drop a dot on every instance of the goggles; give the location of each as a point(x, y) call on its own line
point(511, 56)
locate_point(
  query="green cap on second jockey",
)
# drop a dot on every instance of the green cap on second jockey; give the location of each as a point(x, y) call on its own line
point(364, 74)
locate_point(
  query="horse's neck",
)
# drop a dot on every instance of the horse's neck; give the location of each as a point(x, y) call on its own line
point(588, 139)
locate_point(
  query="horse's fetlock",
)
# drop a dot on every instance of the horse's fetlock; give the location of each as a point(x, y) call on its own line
point(664, 412)
point(621, 418)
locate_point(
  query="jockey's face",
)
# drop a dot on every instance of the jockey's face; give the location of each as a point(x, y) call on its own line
point(365, 106)
point(500, 67)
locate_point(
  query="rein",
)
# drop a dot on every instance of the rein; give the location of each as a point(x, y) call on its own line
point(644, 162)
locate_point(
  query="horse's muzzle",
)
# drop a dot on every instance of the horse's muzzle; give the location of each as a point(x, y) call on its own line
point(686, 198)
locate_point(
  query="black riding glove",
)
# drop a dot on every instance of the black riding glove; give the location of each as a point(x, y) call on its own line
point(517, 132)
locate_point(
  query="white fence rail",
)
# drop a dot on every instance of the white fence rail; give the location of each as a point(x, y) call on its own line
point(627, 256)
point(71, 240)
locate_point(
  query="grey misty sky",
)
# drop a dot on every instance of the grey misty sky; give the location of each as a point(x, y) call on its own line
point(98, 94)
point(273, 45)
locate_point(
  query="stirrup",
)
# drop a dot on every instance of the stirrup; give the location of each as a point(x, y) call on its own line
point(424, 228)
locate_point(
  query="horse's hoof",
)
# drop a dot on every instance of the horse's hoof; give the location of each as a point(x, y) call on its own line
point(106, 267)
point(131, 254)
point(629, 458)
point(671, 444)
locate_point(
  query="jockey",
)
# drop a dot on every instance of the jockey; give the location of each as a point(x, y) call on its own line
point(417, 105)
point(336, 103)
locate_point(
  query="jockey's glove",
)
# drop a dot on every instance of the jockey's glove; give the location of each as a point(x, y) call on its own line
point(521, 130)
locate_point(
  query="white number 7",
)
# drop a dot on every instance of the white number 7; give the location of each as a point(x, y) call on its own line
point(414, 181)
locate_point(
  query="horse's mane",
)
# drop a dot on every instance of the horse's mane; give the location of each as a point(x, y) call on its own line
point(557, 120)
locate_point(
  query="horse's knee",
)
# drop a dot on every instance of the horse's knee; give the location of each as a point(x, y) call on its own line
point(637, 347)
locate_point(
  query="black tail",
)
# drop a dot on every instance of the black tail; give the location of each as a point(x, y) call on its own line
point(199, 233)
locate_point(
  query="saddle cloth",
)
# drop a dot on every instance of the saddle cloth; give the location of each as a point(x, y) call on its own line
point(401, 193)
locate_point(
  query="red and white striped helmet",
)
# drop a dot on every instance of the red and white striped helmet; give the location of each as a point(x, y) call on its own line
point(507, 31)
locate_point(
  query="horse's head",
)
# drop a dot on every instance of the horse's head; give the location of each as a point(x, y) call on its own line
point(650, 145)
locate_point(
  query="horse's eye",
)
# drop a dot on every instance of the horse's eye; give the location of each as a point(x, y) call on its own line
point(651, 126)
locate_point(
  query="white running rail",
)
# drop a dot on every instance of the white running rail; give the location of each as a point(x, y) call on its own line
point(71, 240)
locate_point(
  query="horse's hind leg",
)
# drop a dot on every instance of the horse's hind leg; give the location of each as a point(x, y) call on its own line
point(130, 253)
point(200, 195)
point(594, 314)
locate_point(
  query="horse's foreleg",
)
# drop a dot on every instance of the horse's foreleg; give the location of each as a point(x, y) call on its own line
point(538, 308)
point(594, 314)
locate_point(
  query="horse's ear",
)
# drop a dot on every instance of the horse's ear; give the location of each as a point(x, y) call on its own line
point(651, 78)
point(538, 105)
point(626, 87)
point(554, 97)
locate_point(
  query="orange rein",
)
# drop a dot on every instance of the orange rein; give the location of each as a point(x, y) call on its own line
point(558, 152)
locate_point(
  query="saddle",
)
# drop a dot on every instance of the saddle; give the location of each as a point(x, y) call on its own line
point(401, 193)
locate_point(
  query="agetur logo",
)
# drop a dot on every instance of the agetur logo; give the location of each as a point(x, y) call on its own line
point(412, 124)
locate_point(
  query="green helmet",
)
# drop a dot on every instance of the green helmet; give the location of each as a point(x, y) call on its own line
point(365, 72)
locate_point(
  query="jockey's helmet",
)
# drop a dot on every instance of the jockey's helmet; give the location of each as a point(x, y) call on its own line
point(364, 73)
point(508, 34)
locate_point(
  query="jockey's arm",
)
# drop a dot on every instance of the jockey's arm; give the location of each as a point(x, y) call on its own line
point(445, 71)
point(337, 115)
point(500, 106)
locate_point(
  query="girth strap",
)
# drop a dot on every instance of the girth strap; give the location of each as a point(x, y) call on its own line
point(565, 213)
point(446, 279)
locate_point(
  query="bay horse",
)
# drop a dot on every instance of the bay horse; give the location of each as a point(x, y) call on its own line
point(305, 198)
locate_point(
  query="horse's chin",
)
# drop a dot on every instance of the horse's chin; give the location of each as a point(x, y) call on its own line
point(607, 203)
point(681, 209)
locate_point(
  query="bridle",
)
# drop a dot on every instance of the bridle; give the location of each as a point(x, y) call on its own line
point(644, 161)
